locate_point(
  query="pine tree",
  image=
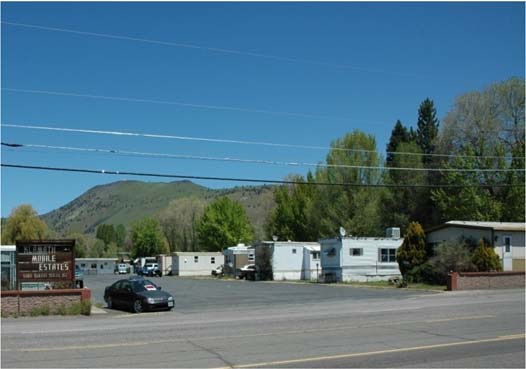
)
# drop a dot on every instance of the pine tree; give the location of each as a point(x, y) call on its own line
point(399, 134)
point(427, 129)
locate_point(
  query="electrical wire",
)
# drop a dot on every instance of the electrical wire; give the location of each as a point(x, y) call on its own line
point(212, 49)
point(249, 161)
point(188, 105)
point(242, 142)
point(233, 179)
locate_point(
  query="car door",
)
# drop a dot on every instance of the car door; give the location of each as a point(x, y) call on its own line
point(126, 294)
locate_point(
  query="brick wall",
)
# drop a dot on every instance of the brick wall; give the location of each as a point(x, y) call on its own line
point(22, 302)
point(482, 281)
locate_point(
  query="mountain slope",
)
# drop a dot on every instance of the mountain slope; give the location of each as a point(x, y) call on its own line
point(125, 202)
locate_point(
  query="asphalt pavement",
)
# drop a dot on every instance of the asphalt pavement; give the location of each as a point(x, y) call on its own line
point(226, 323)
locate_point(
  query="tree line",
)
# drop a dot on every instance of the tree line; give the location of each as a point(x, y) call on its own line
point(483, 130)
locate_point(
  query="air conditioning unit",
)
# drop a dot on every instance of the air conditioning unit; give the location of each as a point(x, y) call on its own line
point(392, 232)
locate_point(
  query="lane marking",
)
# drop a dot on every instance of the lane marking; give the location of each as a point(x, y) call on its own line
point(302, 331)
point(406, 349)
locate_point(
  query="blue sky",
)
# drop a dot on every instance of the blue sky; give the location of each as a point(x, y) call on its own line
point(378, 61)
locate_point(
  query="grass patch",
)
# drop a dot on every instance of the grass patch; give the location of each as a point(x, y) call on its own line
point(99, 305)
point(39, 310)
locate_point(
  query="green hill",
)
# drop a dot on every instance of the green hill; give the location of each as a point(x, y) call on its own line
point(125, 202)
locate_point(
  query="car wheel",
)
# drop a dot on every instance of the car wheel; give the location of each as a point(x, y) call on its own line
point(137, 306)
point(109, 302)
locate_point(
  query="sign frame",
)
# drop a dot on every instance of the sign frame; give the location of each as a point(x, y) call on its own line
point(51, 261)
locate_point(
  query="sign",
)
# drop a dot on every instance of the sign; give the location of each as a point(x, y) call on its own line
point(46, 261)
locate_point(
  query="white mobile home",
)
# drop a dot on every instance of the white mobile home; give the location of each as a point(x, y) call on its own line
point(289, 260)
point(96, 265)
point(196, 263)
point(359, 259)
point(165, 263)
point(507, 238)
point(236, 257)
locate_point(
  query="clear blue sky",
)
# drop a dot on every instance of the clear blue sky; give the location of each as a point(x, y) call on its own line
point(400, 53)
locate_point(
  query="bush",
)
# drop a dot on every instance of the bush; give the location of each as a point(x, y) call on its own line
point(451, 256)
point(485, 259)
point(412, 253)
point(85, 307)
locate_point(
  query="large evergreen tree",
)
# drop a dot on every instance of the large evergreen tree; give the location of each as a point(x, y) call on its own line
point(427, 129)
point(399, 134)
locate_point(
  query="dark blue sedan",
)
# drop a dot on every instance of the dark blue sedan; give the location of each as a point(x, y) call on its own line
point(138, 295)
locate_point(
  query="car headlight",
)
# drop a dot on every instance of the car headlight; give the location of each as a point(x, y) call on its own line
point(150, 300)
point(170, 298)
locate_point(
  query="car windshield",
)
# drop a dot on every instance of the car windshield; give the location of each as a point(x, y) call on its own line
point(144, 285)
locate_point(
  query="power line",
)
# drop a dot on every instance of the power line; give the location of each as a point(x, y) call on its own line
point(185, 104)
point(212, 49)
point(248, 161)
point(240, 142)
point(232, 179)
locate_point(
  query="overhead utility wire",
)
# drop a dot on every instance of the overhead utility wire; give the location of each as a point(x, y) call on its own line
point(248, 161)
point(241, 142)
point(185, 104)
point(232, 179)
point(212, 49)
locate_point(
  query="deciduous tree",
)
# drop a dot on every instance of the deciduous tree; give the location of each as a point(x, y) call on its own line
point(223, 224)
point(23, 224)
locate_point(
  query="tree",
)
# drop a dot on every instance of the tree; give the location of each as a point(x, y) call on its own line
point(412, 253)
point(224, 223)
point(106, 233)
point(120, 235)
point(349, 162)
point(399, 134)
point(179, 223)
point(427, 129)
point(401, 205)
point(489, 126)
point(97, 250)
point(23, 224)
point(485, 259)
point(293, 216)
point(147, 238)
point(81, 244)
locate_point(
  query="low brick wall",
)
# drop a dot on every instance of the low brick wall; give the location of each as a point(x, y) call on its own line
point(484, 281)
point(23, 302)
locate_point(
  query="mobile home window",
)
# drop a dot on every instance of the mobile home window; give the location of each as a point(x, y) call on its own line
point(196, 259)
point(356, 252)
point(212, 260)
point(293, 251)
point(93, 266)
point(387, 255)
point(251, 257)
point(316, 255)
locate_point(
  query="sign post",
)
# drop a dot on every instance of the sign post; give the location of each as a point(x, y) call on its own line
point(46, 261)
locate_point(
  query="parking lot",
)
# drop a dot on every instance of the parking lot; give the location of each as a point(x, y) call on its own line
point(199, 294)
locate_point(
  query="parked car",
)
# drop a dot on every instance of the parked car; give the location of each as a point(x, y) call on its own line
point(137, 294)
point(248, 272)
point(121, 268)
point(152, 270)
point(219, 271)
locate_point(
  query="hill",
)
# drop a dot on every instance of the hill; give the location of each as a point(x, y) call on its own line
point(125, 202)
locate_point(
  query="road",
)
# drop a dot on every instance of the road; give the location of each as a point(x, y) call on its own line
point(294, 327)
